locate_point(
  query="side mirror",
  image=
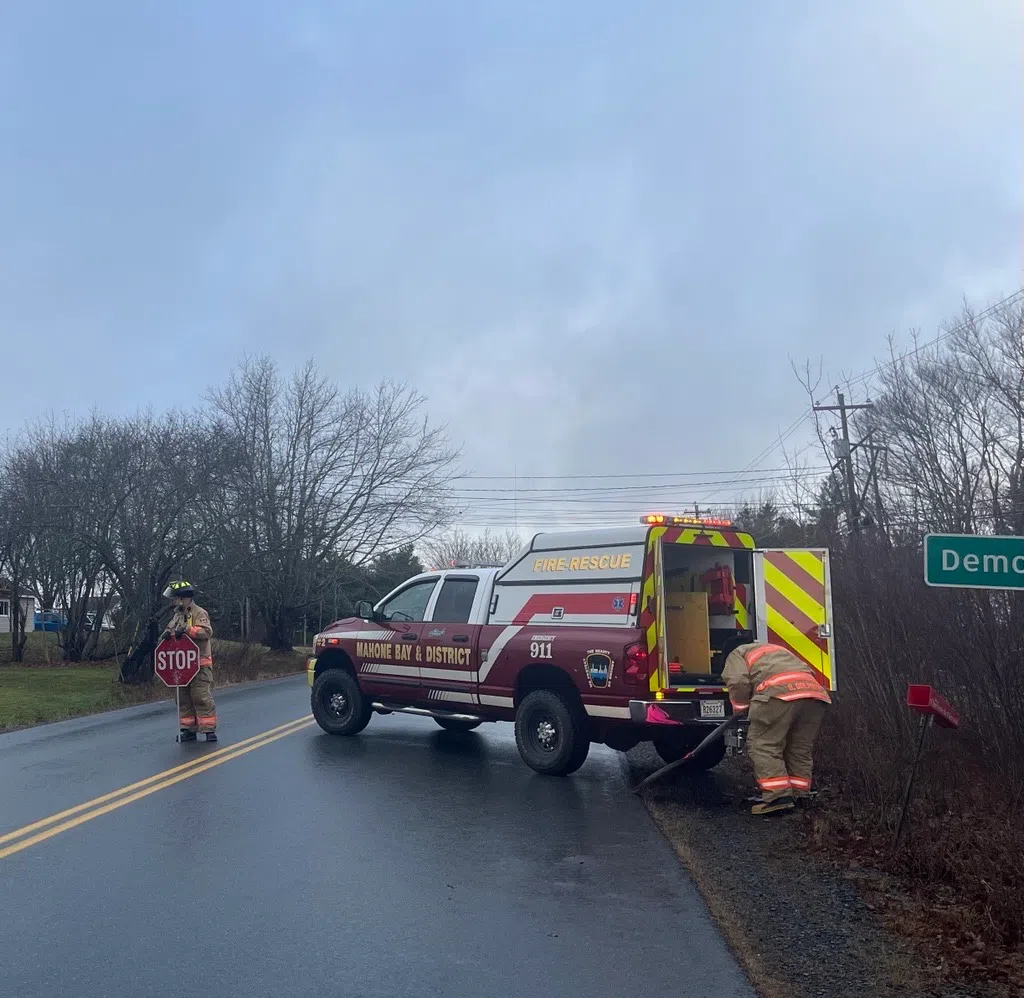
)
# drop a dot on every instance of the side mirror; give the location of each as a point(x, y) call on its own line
point(364, 610)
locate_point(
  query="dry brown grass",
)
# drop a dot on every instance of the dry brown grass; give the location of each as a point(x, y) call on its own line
point(957, 882)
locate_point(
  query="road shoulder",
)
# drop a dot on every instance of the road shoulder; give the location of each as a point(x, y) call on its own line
point(798, 925)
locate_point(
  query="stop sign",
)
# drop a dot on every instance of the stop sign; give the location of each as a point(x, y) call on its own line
point(177, 661)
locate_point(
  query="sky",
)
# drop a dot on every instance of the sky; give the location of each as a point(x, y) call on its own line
point(595, 235)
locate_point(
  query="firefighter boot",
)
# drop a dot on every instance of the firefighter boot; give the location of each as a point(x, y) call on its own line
point(776, 806)
point(211, 736)
point(187, 736)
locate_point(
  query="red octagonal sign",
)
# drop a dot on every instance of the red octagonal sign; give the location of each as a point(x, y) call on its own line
point(177, 661)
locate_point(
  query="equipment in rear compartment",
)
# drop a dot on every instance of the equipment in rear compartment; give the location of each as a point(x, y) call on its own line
point(718, 584)
point(700, 613)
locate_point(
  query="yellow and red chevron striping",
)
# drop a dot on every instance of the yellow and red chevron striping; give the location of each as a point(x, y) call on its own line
point(795, 604)
point(705, 537)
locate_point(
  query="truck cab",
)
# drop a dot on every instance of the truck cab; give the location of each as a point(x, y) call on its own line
point(616, 636)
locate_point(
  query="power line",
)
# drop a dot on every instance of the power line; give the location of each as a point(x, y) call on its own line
point(771, 448)
point(598, 490)
point(1015, 298)
point(634, 475)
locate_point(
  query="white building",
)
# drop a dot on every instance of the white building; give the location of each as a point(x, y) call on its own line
point(28, 606)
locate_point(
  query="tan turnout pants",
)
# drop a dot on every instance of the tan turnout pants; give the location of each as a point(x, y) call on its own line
point(198, 711)
point(780, 742)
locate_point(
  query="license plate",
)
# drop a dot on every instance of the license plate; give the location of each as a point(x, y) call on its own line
point(712, 709)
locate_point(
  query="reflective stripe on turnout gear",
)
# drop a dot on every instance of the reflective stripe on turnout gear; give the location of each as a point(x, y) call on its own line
point(775, 783)
point(807, 694)
point(753, 656)
point(757, 672)
point(781, 677)
point(206, 661)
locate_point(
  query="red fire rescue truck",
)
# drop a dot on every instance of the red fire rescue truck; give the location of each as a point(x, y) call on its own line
point(616, 635)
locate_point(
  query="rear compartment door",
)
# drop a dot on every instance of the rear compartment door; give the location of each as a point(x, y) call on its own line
point(793, 600)
point(659, 677)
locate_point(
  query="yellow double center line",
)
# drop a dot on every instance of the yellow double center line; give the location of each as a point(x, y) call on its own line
point(23, 838)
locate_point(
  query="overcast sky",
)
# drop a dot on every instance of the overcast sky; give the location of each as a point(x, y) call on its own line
point(593, 233)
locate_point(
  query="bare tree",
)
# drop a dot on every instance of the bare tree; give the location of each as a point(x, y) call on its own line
point(122, 501)
point(322, 473)
point(53, 476)
point(14, 559)
point(456, 546)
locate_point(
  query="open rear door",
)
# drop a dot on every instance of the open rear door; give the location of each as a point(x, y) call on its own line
point(793, 593)
point(659, 603)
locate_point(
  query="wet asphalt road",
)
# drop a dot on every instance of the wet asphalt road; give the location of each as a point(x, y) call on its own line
point(407, 861)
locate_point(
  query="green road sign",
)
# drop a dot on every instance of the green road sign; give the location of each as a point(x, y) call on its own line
point(971, 561)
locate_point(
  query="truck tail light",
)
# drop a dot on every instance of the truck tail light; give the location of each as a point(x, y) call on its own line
point(636, 665)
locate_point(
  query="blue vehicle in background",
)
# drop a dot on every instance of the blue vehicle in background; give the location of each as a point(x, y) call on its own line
point(50, 620)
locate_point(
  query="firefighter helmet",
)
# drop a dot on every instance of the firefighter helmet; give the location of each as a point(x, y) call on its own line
point(181, 588)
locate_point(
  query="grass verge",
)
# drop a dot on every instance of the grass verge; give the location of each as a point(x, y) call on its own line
point(39, 694)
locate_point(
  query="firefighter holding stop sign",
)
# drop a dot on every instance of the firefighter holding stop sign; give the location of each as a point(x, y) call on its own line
point(197, 709)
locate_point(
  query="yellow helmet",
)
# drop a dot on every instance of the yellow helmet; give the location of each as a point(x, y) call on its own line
point(181, 588)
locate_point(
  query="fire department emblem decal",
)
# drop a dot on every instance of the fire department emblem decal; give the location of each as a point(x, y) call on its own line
point(598, 666)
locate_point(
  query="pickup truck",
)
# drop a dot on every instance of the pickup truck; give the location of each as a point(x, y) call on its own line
point(616, 636)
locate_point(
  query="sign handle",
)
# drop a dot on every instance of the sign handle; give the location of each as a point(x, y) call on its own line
point(177, 713)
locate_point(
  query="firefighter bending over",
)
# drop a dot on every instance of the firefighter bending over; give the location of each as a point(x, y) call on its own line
point(786, 705)
point(198, 711)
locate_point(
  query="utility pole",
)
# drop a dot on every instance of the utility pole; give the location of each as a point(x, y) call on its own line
point(845, 455)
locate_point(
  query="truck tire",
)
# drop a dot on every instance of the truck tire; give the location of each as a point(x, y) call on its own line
point(551, 733)
point(672, 748)
point(452, 724)
point(338, 704)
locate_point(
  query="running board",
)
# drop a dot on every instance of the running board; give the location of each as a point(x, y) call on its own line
point(382, 708)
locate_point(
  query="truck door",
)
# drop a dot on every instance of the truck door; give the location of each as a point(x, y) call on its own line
point(793, 605)
point(387, 663)
point(450, 643)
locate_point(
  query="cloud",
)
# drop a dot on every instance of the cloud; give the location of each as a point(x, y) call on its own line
point(594, 235)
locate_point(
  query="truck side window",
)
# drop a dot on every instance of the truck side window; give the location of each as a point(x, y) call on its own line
point(410, 604)
point(455, 602)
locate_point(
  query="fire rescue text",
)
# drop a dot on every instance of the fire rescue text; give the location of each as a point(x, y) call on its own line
point(586, 563)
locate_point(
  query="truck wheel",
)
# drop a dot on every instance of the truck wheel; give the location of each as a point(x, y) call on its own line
point(674, 748)
point(451, 724)
point(551, 734)
point(339, 705)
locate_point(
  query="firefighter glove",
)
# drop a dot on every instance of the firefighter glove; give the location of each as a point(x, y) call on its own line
point(179, 631)
point(165, 635)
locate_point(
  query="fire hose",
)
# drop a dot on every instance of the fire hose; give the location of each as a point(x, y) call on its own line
point(719, 732)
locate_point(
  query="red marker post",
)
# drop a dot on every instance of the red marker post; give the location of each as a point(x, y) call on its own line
point(176, 664)
point(932, 706)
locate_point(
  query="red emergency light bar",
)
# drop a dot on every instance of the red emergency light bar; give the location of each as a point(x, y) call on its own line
point(661, 520)
point(929, 701)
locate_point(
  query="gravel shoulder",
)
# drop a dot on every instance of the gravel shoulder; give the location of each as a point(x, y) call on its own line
point(799, 926)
